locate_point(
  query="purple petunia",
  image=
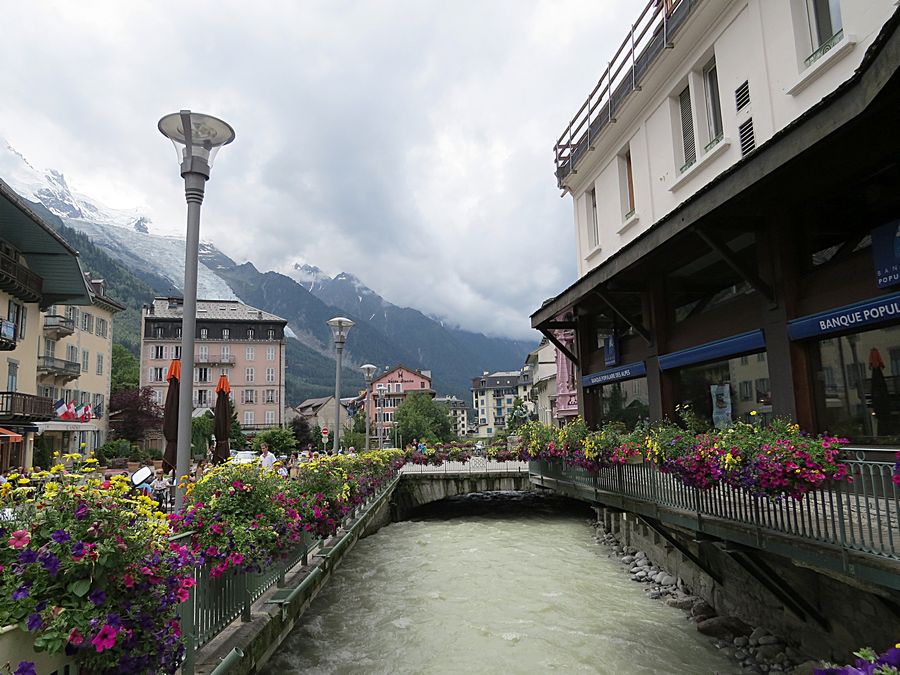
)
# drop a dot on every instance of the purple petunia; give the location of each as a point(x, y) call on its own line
point(78, 549)
point(28, 556)
point(97, 596)
point(81, 511)
point(21, 592)
point(34, 622)
point(60, 536)
point(25, 668)
point(50, 563)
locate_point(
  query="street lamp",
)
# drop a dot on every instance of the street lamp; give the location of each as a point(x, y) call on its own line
point(379, 415)
point(368, 373)
point(197, 138)
point(340, 326)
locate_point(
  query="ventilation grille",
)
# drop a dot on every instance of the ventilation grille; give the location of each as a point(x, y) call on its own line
point(742, 96)
point(687, 128)
point(748, 140)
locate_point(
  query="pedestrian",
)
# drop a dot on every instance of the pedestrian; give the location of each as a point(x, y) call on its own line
point(266, 458)
point(199, 469)
point(160, 486)
point(294, 466)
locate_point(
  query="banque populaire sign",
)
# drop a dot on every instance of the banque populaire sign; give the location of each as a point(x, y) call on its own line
point(840, 319)
point(626, 372)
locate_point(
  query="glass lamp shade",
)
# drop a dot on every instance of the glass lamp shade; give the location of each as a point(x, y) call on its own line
point(204, 136)
point(368, 371)
point(340, 326)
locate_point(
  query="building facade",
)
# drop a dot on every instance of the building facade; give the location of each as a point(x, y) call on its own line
point(37, 269)
point(74, 370)
point(233, 339)
point(459, 413)
point(389, 391)
point(727, 260)
point(494, 394)
point(542, 398)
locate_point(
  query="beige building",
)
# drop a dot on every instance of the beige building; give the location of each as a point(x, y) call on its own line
point(37, 269)
point(493, 396)
point(542, 399)
point(459, 413)
point(244, 343)
point(74, 369)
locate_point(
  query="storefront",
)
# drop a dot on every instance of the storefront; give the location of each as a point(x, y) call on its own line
point(12, 453)
point(619, 394)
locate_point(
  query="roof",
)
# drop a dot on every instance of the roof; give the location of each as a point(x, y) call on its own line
point(99, 296)
point(421, 373)
point(47, 254)
point(312, 405)
point(212, 310)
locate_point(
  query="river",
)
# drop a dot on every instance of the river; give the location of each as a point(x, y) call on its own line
point(491, 584)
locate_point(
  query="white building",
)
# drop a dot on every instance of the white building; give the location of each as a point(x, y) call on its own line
point(493, 396)
point(459, 413)
point(542, 400)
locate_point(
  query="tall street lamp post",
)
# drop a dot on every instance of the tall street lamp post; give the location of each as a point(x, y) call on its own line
point(368, 373)
point(197, 138)
point(379, 397)
point(340, 326)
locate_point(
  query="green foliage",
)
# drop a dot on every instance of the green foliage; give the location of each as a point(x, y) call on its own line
point(201, 434)
point(302, 432)
point(139, 413)
point(420, 417)
point(125, 370)
point(120, 447)
point(281, 441)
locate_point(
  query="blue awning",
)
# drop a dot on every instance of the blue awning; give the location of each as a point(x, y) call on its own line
point(847, 318)
point(735, 345)
point(629, 371)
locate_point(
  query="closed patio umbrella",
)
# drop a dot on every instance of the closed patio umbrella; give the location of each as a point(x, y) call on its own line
point(222, 422)
point(170, 416)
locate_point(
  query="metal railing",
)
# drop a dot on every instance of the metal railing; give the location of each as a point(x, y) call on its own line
point(474, 465)
point(649, 36)
point(26, 406)
point(19, 280)
point(52, 364)
point(861, 515)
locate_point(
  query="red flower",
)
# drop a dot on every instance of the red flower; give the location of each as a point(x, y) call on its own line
point(75, 637)
point(19, 539)
point(105, 639)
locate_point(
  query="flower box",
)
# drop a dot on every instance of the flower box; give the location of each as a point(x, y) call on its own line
point(15, 647)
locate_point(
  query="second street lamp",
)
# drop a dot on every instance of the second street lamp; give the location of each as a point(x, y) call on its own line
point(197, 138)
point(368, 373)
point(340, 326)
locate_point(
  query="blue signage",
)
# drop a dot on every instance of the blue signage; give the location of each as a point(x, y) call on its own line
point(735, 345)
point(849, 317)
point(886, 254)
point(611, 350)
point(626, 372)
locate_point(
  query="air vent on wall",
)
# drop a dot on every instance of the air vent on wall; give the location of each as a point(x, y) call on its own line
point(748, 140)
point(742, 95)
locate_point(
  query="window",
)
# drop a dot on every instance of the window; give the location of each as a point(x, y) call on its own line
point(99, 364)
point(251, 353)
point(628, 192)
point(156, 395)
point(157, 375)
point(226, 333)
point(421, 385)
point(593, 226)
point(270, 375)
point(203, 353)
point(72, 313)
point(204, 333)
point(225, 352)
point(201, 374)
point(686, 117)
point(398, 387)
point(715, 397)
point(250, 333)
point(12, 375)
point(87, 322)
point(824, 22)
point(176, 352)
point(178, 332)
point(270, 333)
point(249, 375)
point(248, 396)
point(202, 398)
point(270, 417)
point(249, 418)
point(72, 353)
point(102, 327)
point(713, 106)
point(270, 353)
point(760, 357)
point(270, 396)
point(159, 351)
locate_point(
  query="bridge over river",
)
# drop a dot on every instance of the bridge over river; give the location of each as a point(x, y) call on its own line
point(824, 570)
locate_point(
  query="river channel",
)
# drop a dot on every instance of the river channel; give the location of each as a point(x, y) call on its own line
point(491, 584)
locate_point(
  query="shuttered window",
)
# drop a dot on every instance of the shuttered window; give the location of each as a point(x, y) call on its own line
point(687, 128)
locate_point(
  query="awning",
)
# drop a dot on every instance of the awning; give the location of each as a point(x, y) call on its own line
point(10, 436)
point(859, 316)
point(618, 374)
point(735, 345)
point(65, 426)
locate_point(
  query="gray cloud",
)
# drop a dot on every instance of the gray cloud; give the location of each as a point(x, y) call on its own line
point(407, 142)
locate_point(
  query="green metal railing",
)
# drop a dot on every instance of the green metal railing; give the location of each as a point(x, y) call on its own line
point(861, 515)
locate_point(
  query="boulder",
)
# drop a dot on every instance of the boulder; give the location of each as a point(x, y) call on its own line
point(682, 603)
point(741, 641)
point(667, 580)
point(628, 559)
point(758, 633)
point(723, 627)
point(768, 652)
point(768, 640)
point(702, 607)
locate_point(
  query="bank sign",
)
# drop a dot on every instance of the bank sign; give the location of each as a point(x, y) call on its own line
point(886, 254)
point(850, 317)
point(627, 372)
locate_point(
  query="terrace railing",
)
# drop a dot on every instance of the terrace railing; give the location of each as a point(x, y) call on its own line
point(649, 36)
point(860, 515)
point(474, 465)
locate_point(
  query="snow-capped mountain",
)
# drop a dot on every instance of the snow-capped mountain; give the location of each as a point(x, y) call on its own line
point(308, 276)
point(123, 233)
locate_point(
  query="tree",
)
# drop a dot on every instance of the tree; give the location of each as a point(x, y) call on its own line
point(420, 417)
point(281, 441)
point(201, 433)
point(138, 413)
point(125, 370)
point(301, 431)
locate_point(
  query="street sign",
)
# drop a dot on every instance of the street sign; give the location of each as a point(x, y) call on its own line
point(324, 431)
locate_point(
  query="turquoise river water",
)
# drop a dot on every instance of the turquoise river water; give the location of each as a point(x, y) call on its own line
point(491, 584)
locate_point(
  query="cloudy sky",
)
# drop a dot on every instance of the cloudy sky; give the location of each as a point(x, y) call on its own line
point(409, 143)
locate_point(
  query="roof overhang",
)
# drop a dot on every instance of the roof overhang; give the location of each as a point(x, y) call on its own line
point(843, 105)
point(47, 254)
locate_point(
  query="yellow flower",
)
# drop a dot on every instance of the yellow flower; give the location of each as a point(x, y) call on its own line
point(72, 455)
point(753, 413)
point(23, 481)
point(57, 468)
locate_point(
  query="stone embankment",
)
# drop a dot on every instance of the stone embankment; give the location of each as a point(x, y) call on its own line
point(754, 649)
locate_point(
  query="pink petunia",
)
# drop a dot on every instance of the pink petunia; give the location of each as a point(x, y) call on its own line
point(75, 637)
point(128, 580)
point(105, 639)
point(19, 539)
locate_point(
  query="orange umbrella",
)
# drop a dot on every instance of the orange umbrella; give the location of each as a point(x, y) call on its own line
point(222, 422)
point(170, 416)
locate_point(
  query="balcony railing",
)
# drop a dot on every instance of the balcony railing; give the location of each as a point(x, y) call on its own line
point(209, 358)
point(25, 407)
point(7, 335)
point(58, 367)
point(649, 36)
point(20, 281)
point(58, 326)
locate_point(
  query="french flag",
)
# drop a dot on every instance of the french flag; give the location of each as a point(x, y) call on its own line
point(60, 407)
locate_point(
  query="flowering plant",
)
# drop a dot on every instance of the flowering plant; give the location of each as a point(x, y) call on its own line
point(87, 568)
point(868, 662)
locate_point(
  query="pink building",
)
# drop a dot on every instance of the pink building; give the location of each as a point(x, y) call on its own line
point(390, 389)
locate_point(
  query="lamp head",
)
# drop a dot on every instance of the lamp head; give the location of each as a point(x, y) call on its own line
point(197, 138)
point(340, 326)
point(368, 371)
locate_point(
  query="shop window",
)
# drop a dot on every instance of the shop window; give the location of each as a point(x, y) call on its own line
point(626, 402)
point(716, 391)
point(857, 386)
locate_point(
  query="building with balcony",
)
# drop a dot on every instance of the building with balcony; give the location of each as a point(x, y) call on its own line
point(74, 368)
point(459, 413)
point(37, 269)
point(242, 342)
point(542, 397)
point(389, 390)
point(736, 193)
point(493, 397)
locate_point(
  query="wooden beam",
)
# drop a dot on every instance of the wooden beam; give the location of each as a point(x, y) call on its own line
point(560, 324)
point(739, 267)
point(636, 325)
point(559, 345)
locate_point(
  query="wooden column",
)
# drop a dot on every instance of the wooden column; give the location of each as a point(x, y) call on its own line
point(659, 384)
